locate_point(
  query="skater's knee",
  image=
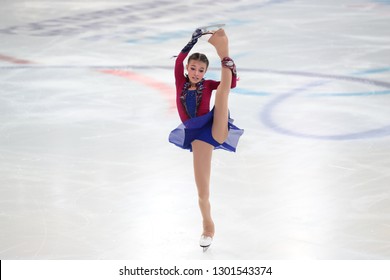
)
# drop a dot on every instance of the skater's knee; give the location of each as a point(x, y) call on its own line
point(220, 140)
point(203, 200)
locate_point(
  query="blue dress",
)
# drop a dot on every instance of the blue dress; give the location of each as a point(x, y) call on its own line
point(200, 128)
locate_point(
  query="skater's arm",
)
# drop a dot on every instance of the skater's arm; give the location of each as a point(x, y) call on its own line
point(179, 69)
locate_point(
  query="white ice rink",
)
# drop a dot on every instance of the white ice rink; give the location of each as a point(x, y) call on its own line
point(87, 101)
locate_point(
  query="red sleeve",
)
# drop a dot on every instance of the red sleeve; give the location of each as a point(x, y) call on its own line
point(180, 80)
point(234, 81)
point(179, 69)
point(215, 84)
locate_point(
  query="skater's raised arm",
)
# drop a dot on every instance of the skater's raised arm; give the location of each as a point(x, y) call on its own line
point(194, 39)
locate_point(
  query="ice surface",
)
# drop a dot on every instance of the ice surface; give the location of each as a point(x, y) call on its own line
point(87, 103)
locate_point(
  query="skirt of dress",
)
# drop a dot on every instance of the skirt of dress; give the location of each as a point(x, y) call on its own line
point(199, 128)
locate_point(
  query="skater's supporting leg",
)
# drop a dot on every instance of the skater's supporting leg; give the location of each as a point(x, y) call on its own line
point(202, 153)
point(221, 111)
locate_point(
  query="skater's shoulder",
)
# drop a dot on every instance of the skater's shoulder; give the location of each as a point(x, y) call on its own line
point(213, 84)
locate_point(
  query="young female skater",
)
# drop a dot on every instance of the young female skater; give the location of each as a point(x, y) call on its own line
point(203, 130)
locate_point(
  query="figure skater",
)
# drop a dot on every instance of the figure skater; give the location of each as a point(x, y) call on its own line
point(203, 130)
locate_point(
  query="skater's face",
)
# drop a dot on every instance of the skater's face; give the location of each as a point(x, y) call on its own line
point(196, 70)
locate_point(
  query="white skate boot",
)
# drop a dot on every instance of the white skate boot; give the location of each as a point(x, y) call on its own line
point(205, 242)
point(210, 29)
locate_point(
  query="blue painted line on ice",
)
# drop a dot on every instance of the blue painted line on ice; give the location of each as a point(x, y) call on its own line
point(368, 93)
point(372, 71)
point(386, 2)
point(243, 91)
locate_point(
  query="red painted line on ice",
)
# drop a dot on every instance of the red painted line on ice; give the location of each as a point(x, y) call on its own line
point(14, 60)
point(167, 91)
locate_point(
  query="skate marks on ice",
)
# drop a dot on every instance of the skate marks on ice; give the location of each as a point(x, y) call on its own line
point(82, 178)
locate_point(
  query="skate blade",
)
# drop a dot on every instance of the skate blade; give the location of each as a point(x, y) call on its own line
point(205, 248)
point(210, 29)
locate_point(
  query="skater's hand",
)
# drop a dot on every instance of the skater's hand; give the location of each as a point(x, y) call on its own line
point(197, 34)
point(194, 39)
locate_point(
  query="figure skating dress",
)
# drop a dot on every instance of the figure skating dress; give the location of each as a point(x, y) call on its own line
point(194, 111)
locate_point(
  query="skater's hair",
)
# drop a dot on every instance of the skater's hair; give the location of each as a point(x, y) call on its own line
point(199, 57)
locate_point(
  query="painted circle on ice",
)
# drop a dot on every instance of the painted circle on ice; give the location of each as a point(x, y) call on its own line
point(267, 119)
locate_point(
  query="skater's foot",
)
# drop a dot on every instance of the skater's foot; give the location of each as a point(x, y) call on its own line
point(205, 242)
point(207, 236)
point(220, 41)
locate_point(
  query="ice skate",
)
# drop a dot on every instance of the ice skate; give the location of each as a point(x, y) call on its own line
point(211, 29)
point(208, 233)
point(205, 242)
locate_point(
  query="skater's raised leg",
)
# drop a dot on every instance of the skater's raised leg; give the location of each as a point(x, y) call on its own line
point(221, 112)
